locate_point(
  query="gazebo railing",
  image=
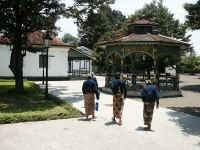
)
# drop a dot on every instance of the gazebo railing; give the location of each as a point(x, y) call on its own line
point(137, 81)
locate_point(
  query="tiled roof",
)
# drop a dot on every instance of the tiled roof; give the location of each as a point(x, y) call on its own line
point(4, 40)
point(143, 21)
point(144, 38)
point(148, 37)
point(37, 38)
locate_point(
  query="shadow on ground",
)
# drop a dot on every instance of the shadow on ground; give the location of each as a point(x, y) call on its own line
point(84, 119)
point(190, 125)
point(144, 129)
point(32, 99)
point(110, 123)
point(62, 92)
point(195, 111)
point(193, 88)
point(72, 99)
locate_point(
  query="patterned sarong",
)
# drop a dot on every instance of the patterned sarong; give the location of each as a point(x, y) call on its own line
point(118, 104)
point(89, 104)
point(148, 112)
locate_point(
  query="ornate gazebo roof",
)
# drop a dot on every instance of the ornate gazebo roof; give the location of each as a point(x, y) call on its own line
point(133, 39)
point(144, 32)
point(145, 38)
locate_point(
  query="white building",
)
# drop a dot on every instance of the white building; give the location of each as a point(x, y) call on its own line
point(32, 67)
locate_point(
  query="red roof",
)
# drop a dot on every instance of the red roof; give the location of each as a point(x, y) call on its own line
point(4, 40)
point(148, 37)
point(37, 38)
point(144, 38)
point(143, 21)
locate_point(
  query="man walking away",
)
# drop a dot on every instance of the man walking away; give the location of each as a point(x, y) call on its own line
point(119, 94)
point(89, 89)
point(149, 96)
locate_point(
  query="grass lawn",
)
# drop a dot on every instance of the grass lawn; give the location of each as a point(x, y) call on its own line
point(31, 104)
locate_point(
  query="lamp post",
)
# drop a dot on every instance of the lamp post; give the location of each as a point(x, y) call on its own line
point(48, 40)
point(43, 67)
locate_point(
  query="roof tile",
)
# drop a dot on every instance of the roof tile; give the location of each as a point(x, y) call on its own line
point(143, 21)
point(37, 38)
point(144, 38)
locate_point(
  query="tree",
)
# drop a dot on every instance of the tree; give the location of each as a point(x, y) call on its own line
point(190, 64)
point(97, 24)
point(81, 8)
point(68, 38)
point(193, 17)
point(94, 18)
point(157, 12)
point(22, 17)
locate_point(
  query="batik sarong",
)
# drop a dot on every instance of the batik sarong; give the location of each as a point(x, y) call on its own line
point(89, 104)
point(148, 112)
point(118, 104)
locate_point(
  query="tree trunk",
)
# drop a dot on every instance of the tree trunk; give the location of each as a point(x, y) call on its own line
point(16, 62)
point(16, 66)
point(19, 83)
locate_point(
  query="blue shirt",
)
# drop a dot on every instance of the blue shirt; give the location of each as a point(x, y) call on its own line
point(96, 83)
point(150, 94)
point(119, 86)
point(89, 86)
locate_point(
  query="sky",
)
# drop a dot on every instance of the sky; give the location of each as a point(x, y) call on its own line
point(128, 7)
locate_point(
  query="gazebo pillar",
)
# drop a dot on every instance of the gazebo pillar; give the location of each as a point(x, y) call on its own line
point(122, 60)
point(177, 72)
point(107, 77)
point(106, 80)
point(122, 64)
point(155, 62)
point(177, 76)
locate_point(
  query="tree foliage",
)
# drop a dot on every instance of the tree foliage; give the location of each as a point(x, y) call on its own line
point(193, 17)
point(21, 17)
point(97, 24)
point(190, 64)
point(68, 38)
point(81, 8)
point(94, 18)
point(157, 12)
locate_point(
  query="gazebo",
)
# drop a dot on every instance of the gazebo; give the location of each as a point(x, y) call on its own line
point(146, 43)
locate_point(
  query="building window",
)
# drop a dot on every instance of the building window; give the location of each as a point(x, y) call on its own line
point(42, 60)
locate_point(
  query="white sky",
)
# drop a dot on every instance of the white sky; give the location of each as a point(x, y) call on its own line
point(128, 7)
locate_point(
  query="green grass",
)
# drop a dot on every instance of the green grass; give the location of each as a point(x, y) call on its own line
point(31, 105)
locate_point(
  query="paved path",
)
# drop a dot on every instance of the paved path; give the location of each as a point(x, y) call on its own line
point(171, 130)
